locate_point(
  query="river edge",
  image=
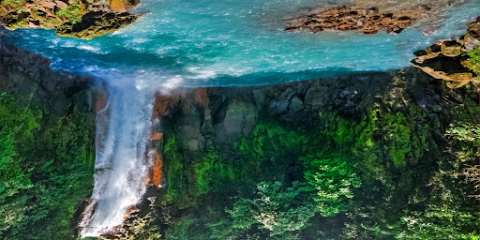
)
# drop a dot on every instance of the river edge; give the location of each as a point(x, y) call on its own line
point(339, 110)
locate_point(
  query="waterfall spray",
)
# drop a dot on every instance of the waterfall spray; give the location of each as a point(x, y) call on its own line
point(122, 159)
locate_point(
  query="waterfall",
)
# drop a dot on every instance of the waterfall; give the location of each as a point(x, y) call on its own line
point(122, 159)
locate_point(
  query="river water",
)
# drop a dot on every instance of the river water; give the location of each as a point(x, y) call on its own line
point(192, 43)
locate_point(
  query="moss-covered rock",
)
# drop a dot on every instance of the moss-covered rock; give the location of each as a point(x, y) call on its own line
point(95, 24)
point(79, 19)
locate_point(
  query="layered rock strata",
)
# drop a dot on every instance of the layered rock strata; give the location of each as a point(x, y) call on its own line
point(79, 19)
point(447, 59)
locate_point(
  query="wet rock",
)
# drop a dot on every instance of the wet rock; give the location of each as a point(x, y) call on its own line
point(296, 105)
point(29, 75)
point(444, 60)
point(355, 18)
point(472, 37)
point(279, 107)
point(451, 48)
point(95, 24)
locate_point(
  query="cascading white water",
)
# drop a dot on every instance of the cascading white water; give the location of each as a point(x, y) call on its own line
point(122, 161)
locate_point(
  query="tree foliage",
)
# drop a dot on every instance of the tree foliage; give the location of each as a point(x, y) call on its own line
point(332, 179)
point(46, 171)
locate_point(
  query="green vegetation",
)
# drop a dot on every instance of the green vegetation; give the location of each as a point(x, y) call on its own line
point(140, 228)
point(174, 169)
point(72, 12)
point(376, 176)
point(474, 58)
point(332, 178)
point(279, 212)
point(13, 3)
point(46, 171)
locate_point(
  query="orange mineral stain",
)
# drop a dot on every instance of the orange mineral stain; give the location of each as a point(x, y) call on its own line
point(156, 136)
point(157, 171)
point(130, 210)
point(117, 5)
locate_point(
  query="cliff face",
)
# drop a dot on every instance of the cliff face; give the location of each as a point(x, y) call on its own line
point(47, 148)
point(225, 114)
point(28, 76)
point(225, 149)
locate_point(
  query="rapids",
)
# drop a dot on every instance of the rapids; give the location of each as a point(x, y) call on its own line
point(205, 43)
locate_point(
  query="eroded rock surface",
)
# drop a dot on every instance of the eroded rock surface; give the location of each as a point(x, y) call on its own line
point(369, 17)
point(446, 59)
point(80, 19)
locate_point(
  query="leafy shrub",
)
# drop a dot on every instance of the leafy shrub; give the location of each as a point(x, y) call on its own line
point(475, 60)
point(464, 131)
point(332, 179)
point(276, 210)
point(72, 13)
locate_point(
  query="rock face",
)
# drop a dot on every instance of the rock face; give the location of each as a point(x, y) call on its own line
point(28, 75)
point(446, 59)
point(219, 116)
point(79, 19)
point(95, 24)
point(370, 18)
point(370, 21)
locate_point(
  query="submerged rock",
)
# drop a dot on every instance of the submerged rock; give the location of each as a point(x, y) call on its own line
point(79, 19)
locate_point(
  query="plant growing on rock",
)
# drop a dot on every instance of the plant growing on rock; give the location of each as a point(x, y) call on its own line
point(13, 3)
point(279, 211)
point(474, 60)
point(141, 228)
point(332, 179)
point(72, 13)
point(464, 131)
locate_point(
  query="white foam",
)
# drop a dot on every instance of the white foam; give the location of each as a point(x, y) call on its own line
point(122, 158)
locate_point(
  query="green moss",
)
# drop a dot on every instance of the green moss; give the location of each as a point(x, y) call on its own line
point(47, 21)
point(367, 128)
point(398, 137)
point(13, 3)
point(211, 173)
point(174, 169)
point(270, 139)
point(203, 171)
